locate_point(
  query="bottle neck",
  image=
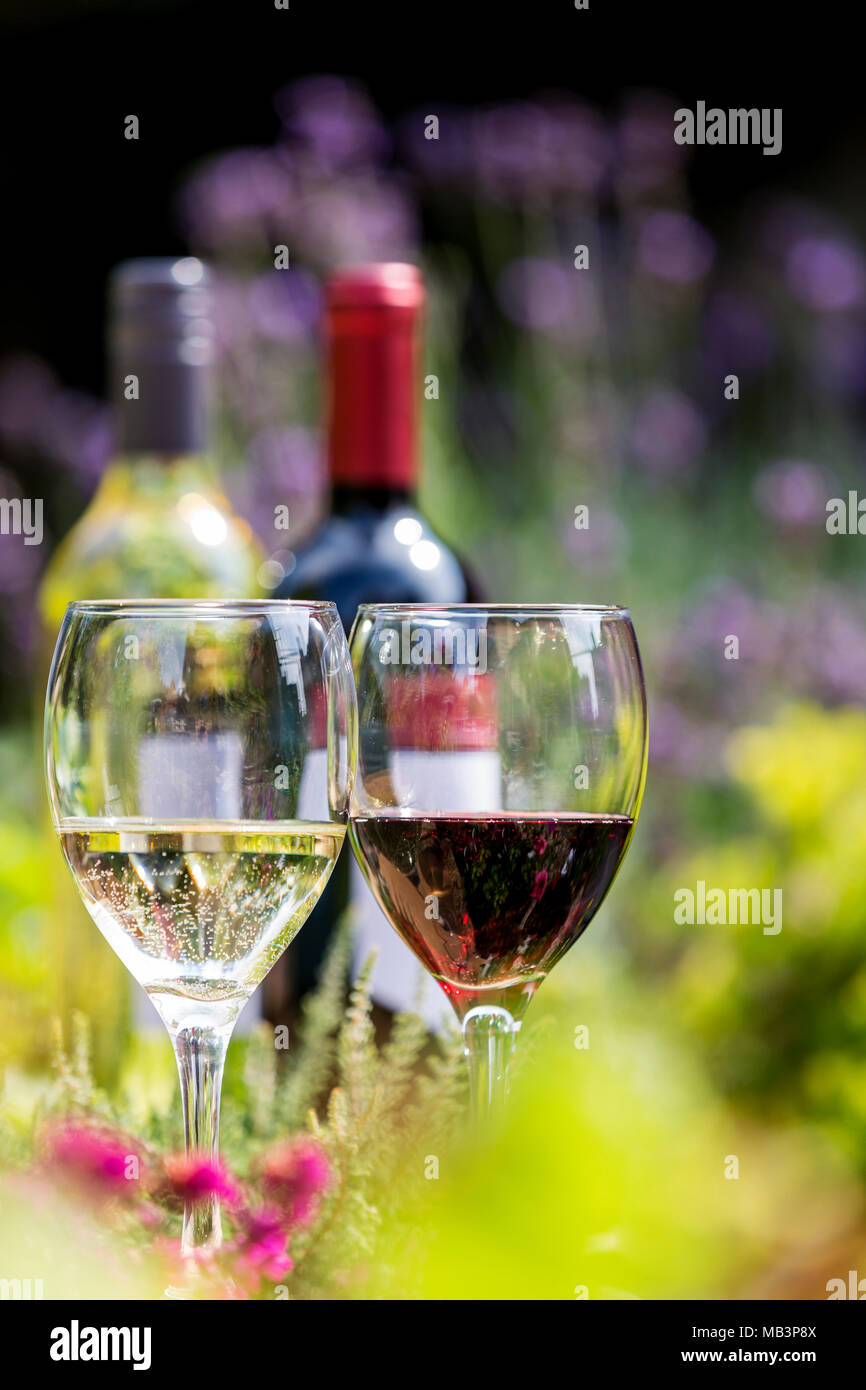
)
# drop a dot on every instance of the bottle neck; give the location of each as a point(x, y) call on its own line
point(372, 423)
point(349, 498)
point(160, 408)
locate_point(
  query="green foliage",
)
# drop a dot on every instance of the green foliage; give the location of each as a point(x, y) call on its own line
point(780, 1018)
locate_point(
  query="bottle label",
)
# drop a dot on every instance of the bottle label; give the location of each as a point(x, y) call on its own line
point(464, 781)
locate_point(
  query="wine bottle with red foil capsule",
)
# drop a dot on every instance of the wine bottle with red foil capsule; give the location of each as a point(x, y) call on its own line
point(375, 546)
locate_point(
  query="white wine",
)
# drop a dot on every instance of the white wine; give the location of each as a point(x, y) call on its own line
point(200, 909)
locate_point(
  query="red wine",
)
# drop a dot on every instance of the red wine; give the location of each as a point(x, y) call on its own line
point(489, 904)
point(374, 546)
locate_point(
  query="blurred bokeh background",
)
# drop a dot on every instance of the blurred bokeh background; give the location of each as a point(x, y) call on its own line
point(558, 388)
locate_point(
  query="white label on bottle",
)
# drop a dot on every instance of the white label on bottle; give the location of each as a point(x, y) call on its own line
point(180, 778)
point(313, 786)
point(440, 782)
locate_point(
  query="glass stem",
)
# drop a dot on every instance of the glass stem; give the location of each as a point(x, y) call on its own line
point(201, 1054)
point(488, 1042)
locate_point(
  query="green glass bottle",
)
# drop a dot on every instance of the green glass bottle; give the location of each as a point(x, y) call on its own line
point(158, 527)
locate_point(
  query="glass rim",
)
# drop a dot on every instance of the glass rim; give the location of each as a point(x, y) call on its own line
point(527, 609)
point(147, 606)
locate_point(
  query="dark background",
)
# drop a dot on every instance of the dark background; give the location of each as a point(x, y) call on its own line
point(201, 77)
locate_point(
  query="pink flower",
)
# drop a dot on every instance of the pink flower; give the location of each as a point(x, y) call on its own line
point(262, 1249)
point(97, 1158)
point(193, 1178)
point(540, 845)
point(295, 1176)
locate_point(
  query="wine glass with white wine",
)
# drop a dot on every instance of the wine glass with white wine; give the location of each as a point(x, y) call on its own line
point(199, 759)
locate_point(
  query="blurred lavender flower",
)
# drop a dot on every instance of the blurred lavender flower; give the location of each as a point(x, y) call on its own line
point(286, 463)
point(233, 318)
point(687, 746)
point(287, 457)
point(674, 247)
point(694, 672)
point(285, 305)
point(334, 119)
point(546, 296)
point(647, 154)
point(79, 434)
point(669, 433)
point(836, 638)
point(243, 198)
point(826, 273)
point(529, 150)
point(726, 608)
point(794, 494)
point(814, 647)
point(19, 563)
point(38, 416)
point(448, 158)
point(824, 654)
point(20, 566)
point(602, 546)
point(785, 221)
point(736, 334)
point(27, 387)
point(357, 219)
point(839, 358)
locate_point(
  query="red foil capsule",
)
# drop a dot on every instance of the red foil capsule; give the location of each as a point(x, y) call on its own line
point(372, 324)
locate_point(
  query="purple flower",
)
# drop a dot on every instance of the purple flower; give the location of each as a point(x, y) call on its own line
point(244, 197)
point(599, 547)
point(38, 416)
point(737, 336)
point(826, 273)
point(647, 154)
point(78, 433)
point(838, 643)
point(672, 246)
point(286, 463)
point(448, 158)
point(334, 119)
point(352, 219)
point(286, 458)
point(784, 222)
point(526, 150)
point(285, 304)
point(550, 296)
point(681, 743)
point(669, 433)
point(19, 563)
point(794, 494)
point(27, 388)
point(839, 356)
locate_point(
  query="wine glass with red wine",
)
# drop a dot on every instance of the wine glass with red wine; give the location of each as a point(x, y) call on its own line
point(501, 765)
